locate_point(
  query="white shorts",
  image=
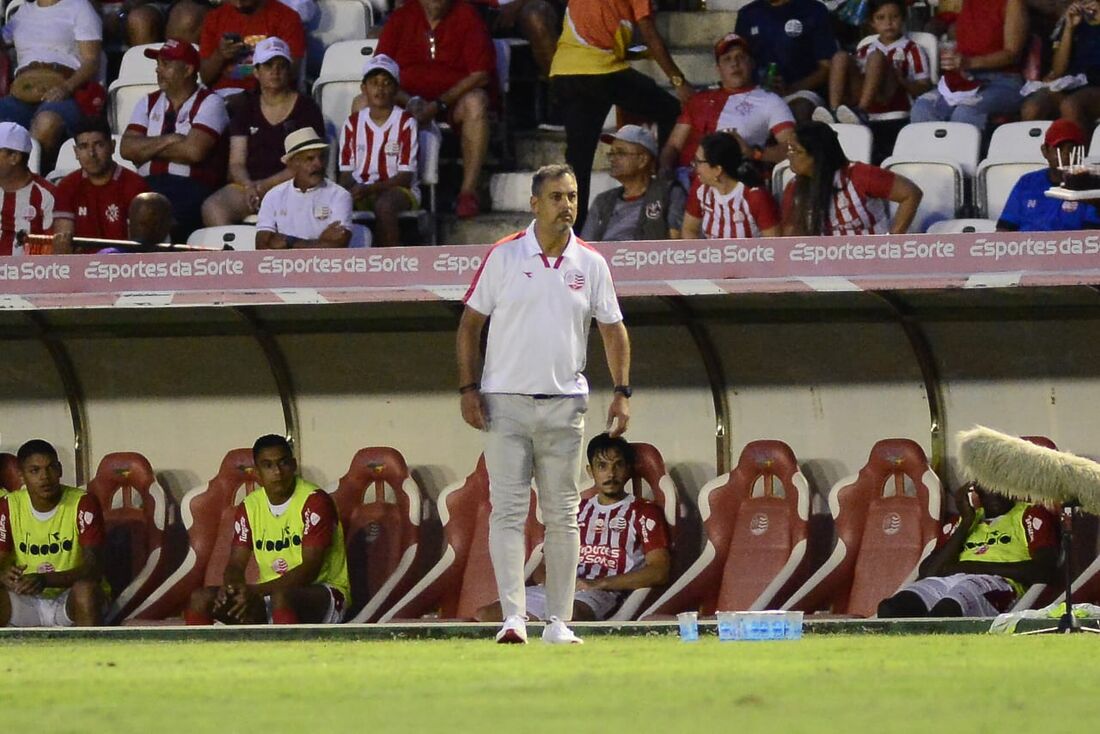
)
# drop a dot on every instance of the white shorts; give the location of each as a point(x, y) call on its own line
point(39, 611)
point(979, 594)
point(600, 601)
point(336, 607)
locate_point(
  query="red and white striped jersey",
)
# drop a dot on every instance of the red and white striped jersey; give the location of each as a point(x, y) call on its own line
point(375, 153)
point(30, 209)
point(615, 538)
point(743, 212)
point(908, 58)
point(203, 110)
point(859, 191)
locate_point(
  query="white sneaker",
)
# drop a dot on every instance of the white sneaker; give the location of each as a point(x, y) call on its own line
point(556, 633)
point(514, 631)
point(822, 114)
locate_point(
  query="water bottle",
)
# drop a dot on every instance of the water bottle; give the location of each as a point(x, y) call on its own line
point(770, 76)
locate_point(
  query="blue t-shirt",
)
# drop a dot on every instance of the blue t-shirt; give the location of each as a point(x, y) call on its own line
point(795, 36)
point(1085, 56)
point(1029, 210)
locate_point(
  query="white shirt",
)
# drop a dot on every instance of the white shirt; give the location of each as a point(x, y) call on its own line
point(49, 35)
point(204, 110)
point(375, 153)
point(541, 311)
point(304, 214)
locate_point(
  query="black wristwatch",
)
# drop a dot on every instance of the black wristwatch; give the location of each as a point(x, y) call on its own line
point(625, 390)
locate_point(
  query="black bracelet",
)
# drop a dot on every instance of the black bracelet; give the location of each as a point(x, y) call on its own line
point(469, 387)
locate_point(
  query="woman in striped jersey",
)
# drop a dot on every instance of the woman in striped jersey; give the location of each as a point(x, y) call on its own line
point(726, 199)
point(830, 195)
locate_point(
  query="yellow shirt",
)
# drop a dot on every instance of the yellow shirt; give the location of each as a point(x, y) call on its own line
point(595, 36)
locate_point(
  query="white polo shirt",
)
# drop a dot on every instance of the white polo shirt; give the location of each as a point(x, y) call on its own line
point(541, 311)
point(304, 214)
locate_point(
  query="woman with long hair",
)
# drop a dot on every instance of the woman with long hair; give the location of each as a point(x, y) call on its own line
point(727, 199)
point(831, 195)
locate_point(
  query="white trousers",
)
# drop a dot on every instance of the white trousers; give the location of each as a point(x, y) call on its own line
point(540, 439)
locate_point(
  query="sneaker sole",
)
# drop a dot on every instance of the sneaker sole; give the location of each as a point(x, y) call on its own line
point(510, 637)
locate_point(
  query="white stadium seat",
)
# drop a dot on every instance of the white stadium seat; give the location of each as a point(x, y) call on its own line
point(955, 226)
point(1094, 146)
point(338, 85)
point(34, 160)
point(1014, 150)
point(336, 21)
point(938, 157)
point(237, 236)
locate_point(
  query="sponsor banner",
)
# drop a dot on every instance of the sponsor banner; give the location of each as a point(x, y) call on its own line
point(696, 267)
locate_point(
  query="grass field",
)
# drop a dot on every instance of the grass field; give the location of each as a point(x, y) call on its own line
point(956, 683)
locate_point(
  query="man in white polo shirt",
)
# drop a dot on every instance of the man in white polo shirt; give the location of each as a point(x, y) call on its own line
point(308, 210)
point(543, 287)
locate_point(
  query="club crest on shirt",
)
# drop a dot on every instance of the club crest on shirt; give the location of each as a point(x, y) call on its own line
point(393, 148)
point(280, 566)
point(793, 28)
point(322, 212)
point(574, 279)
point(28, 212)
point(112, 213)
point(45, 568)
point(1069, 206)
point(618, 523)
point(653, 210)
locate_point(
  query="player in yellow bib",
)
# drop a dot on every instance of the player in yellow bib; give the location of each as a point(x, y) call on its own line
point(292, 529)
point(50, 541)
point(985, 561)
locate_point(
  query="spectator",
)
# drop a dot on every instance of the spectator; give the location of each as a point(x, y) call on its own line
point(590, 73)
point(256, 134)
point(93, 201)
point(447, 67)
point(539, 21)
point(175, 136)
point(884, 75)
point(378, 151)
point(27, 200)
point(644, 207)
point(984, 562)
point(832, 196)
point(1077, 54)
point(52, 576)
point(761, 119)
point(132, 22)
point(727, 199)
point(57, 46)
point(150, 220)
point(795, 36)
point(185, 19)
point(1028, 209)
point(308, 210)
point(230, 33)
point(292, 530)
point(611, 563)
point(980, 73)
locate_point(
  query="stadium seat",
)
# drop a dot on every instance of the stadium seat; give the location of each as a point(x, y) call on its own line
point(462, 581)
point(887, 520)
point(956, 226)
point(11, 7)
point(145, 539)
point(380, 507)
point(1014, 150)
point(939, 157)
point(649, 481)
point(67, 162)
point(855, 141)
point(236, 236)
point(336, 21)
point(208, 514)
point(337, 86)
point(1094, 144)
point(11, 478)
point(34, 160)
point(756, 520)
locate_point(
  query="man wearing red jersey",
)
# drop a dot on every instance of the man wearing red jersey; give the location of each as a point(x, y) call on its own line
point(93, 201)
point(624, 540)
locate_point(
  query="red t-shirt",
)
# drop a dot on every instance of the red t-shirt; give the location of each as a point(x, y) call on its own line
point(99, 211)
point(980, 28)
point(462, 46)
point(270, 19)
point(318, 518)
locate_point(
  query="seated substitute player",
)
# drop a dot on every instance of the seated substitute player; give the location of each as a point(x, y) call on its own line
point(292, 529)
point(986, 560)
point(378, 150)
point(50, 540)
point(624, 541)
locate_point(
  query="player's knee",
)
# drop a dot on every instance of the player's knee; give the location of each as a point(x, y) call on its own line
point(474, 107)
point(946, 608)
point(900, 605)
point(46, 126)
point(1069, 107)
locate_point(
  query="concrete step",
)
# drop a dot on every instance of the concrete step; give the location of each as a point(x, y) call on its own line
point(702, 29)
point(511, 192)
point(484, 229)
point(538, 148)
point(696, 63)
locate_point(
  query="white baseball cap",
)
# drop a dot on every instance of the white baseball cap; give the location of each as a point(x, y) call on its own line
point(14, 136)
point(382, 62)
point(633, 134)
point(269, 48)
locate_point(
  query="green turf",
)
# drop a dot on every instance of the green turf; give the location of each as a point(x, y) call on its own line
point(932, 684)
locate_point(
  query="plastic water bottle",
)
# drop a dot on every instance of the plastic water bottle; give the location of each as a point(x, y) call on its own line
point(770, 76)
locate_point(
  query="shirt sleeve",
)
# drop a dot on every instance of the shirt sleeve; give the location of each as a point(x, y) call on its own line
point(265, 218)
point(319, 520)
point(341, 206)
point(919, 68)
point(347, 143)
point(86, 24)
point(779, 115)
point(6, 544)
point(871, 180)
point(763, 208)
point(139, 118)
point(652, 528)
point(89, 522)
point(65, 206)
point(693, 205)
point(409, 141)
point(479, 53)
point(211, 117)
point(605, 304)
point(1041, 527)
point(242, 529)
point(641, 9)
point(481, 295)
point(1011, 214)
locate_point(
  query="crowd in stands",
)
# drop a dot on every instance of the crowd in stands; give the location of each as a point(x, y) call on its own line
point(215, 139)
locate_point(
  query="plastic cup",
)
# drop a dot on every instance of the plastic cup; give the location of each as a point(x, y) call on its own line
point(727, 626)
point(794, 625)
point(689, 626)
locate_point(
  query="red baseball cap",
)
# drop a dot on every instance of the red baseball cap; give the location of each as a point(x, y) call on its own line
point(728, 41)
point(1064, 131)
point(175, 50)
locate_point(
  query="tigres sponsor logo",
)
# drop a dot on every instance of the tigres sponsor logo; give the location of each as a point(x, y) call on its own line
point(241, 529)
point(1032, 525)
point(3, 528)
